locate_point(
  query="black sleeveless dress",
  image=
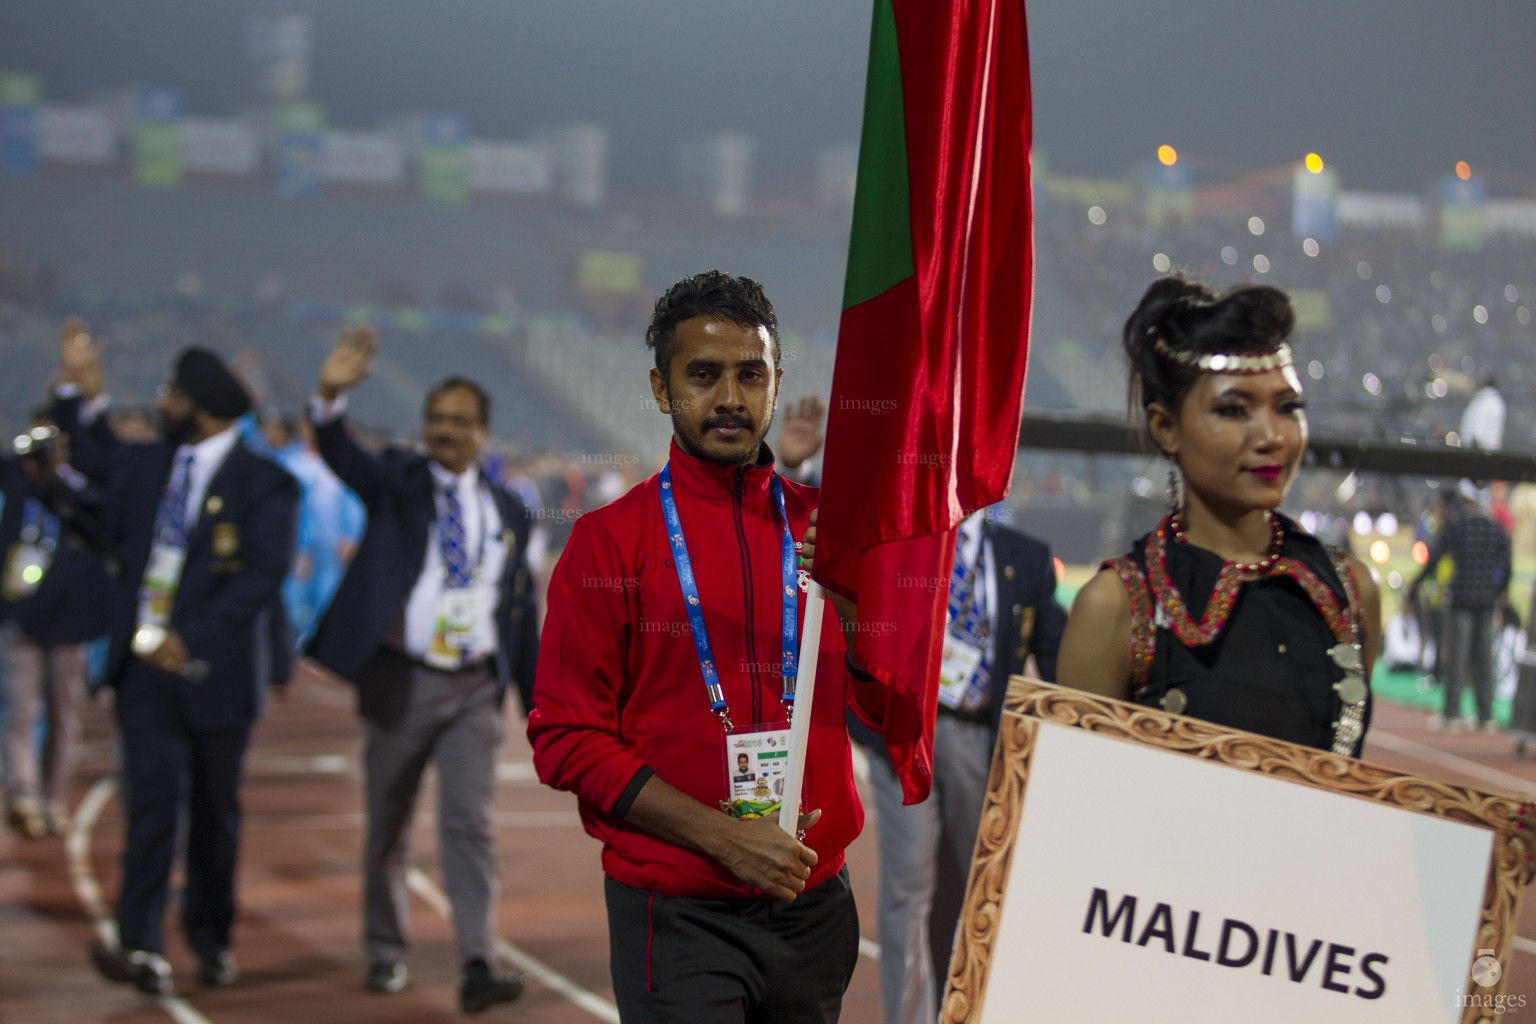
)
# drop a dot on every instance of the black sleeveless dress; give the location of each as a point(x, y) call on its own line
point(1265, 665)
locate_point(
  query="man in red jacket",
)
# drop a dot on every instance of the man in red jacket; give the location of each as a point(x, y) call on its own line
point(668, 655)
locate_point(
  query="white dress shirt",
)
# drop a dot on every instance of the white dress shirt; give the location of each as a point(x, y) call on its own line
point(483, 541)
point(207, 456)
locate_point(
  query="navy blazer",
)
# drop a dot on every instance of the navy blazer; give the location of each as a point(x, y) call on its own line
point(1029, 618)
point(397, 490)
point(238, 553)
point(69, 605)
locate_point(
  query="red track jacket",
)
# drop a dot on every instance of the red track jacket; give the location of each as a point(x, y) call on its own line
point(619, 686)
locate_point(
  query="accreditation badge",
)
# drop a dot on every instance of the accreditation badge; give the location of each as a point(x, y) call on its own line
point(957, 669)
point(25, 566)
point(162, 575)
point(459, 626)
point(756, 762)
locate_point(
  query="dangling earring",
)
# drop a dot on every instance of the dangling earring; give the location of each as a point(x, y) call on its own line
point(1173, 485)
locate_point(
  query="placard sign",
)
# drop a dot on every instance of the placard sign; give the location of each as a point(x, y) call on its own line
point(1142, 867)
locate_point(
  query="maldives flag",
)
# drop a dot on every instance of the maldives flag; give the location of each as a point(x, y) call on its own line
point(928, 386)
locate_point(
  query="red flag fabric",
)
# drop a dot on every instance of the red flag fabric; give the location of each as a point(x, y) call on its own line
point(928, 385)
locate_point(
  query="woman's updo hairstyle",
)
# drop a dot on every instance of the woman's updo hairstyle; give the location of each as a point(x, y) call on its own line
point(1191, 317)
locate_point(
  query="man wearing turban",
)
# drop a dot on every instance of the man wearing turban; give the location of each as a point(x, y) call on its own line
point(202, 530)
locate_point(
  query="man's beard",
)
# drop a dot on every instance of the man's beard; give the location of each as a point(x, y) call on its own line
point(748, 457)
point(176, 431)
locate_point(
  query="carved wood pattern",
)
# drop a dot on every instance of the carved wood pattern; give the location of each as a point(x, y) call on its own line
point(1030, 701)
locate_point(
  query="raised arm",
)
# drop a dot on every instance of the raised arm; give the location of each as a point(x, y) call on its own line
point(347, 366)
point(78, 397)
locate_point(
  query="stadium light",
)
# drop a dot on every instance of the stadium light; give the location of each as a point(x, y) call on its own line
point(1314, 163)
point(1167, 155)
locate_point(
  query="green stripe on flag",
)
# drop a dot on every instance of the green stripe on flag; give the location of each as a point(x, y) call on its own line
point(880, 246)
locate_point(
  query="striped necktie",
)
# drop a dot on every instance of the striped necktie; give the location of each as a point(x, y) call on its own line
point(455, 547)
point(171, 516)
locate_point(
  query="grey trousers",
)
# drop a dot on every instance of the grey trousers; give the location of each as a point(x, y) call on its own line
point(924, 854)
point(1471, 632)
point(38, 676)
point(452, 720)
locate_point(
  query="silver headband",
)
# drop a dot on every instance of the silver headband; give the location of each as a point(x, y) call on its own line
point(1228, 362)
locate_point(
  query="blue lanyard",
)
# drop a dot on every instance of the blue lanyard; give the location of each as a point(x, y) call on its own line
point(694, 607)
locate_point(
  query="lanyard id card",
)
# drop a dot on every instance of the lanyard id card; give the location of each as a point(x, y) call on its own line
point(25, 566)
point(459, 627)
point(961, 659)
point(161, 577)
point(756, 759)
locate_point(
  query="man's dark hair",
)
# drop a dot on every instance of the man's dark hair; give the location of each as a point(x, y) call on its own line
point(448, 384)
point(715, 295)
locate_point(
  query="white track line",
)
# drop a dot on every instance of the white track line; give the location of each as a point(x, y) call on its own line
point(594, 1004)
point(77, 846)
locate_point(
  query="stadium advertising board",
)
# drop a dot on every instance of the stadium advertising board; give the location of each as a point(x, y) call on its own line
point(219, 146)
point(507, 168)
point(361, 158)
point(157, 138)
point(70, 134)
point(19, 98)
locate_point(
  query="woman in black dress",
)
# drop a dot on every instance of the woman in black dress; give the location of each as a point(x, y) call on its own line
point(1227, 611)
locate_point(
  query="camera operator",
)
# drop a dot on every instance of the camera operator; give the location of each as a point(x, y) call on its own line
point(51, 607)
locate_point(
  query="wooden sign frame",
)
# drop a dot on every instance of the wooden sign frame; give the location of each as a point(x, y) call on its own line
point(1030, 702)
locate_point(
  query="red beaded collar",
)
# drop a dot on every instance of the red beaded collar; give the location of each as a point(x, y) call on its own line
point(1228, 582)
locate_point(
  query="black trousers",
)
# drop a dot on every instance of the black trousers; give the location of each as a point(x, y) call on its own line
point(168, 765)
point(730, 961)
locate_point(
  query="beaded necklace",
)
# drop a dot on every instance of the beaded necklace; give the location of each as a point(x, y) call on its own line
point(1229, 581)
point(1259, 568)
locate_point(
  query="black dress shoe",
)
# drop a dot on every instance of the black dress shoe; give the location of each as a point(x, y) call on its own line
point(148, 972)
point(218, 972)
point(387, 978)
point(480, 988)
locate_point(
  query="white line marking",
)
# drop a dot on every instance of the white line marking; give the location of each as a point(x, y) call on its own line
point(77, 846)
point(305, 764)
point(1512, 784)
point(516, 771)
point(594, 1004)
point(869, 948)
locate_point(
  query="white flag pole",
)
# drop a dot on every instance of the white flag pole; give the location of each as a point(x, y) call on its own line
point(805, 693)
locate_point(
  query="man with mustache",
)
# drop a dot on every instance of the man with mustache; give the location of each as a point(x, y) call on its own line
point(426, 624)
point(201, 530)
point(650, 698)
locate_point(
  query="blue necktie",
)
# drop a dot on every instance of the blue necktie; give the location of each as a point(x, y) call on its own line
point(455, 553)
point(171, 516)
point(967, 613)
